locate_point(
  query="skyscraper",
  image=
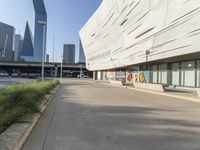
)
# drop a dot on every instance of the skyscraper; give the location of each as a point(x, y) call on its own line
point(18, 47)
point(33, 37)
point(81, 53)
point(47, 58)
point(69, 53)
point(7, 33)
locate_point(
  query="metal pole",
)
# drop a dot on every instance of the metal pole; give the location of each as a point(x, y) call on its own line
point(81, 70)
point(61, 67)
point(43, 23)
point(53, 46)
point(43, 52)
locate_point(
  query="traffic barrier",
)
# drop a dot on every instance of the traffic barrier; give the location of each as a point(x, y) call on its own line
point(150, 86)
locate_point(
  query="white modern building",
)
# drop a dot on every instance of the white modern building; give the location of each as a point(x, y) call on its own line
point(151, 41)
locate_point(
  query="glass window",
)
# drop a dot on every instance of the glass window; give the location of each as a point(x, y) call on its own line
point(163, 73)
point(155, 73)
point(188, 73)
point(175, 74)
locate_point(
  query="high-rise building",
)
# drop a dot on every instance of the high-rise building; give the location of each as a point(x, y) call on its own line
point(32, 46)
point(81, 53)
point(18, 47)
point(47, 58)
point(7, 33)
point(69, 53)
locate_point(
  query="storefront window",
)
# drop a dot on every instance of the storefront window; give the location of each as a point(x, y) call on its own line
point(99, 75)
point(175, 74)
point(163, 73)
point(188, 73)
point(144, 74)
point(155, 73)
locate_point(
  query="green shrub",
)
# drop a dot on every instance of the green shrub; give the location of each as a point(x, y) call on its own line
point(21, 100)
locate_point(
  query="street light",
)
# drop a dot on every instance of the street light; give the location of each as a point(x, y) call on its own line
point(53, 46)
point(61, 67)
point(43, 23)
point(81, 71)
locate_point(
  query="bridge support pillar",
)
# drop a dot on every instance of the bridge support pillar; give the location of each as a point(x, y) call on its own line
point(56, 72)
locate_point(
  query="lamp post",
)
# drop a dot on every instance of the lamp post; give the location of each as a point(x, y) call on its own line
point(61, 67)
point(81, 71)
point(43, 23)
point(53, 46)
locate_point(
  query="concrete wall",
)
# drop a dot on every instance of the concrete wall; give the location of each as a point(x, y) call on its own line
point(120, 31)
point(148, 86)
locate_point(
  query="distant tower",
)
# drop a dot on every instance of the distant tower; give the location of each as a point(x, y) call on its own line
point(81, 53)
point(18, 47)
point(47, 58)
point(33, 37)
point(7, 36)
point(69, 53)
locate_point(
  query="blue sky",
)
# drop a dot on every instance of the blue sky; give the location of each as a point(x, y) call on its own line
point(65, 19)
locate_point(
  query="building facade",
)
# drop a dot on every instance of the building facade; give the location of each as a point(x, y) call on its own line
point(144, 41)
point(7, 39)
point(81, 53)
point(69, 53)
point(47, 58)
point(33, 37)
point(18, 47)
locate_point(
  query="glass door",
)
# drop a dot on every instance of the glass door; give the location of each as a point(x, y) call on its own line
point(188, 73)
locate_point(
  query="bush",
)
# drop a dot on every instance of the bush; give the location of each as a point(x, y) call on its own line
point(21, 100)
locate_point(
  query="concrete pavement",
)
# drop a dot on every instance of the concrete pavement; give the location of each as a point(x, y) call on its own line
point(85, 115)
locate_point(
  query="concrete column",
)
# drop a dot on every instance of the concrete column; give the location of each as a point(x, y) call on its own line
point(56, 72)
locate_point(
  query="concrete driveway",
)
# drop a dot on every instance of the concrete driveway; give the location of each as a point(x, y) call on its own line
point(85, 115)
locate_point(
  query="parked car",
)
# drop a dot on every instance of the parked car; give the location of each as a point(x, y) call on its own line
point(15, 75)
point(24, 75)
point(80, 76)
point(32, 75)
point(4, 74)
point(86, 76)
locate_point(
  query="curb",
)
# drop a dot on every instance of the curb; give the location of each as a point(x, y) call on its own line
point(28, 130)
point(22, 140)
point(157, 93)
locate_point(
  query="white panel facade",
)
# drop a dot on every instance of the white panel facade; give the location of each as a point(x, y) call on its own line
point(120, 32)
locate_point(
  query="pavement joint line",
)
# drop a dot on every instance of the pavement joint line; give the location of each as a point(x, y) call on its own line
point(157, 93)
point(20, 143)
point(88, 81)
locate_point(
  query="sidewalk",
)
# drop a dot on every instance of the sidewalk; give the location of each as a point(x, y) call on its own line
point(91, 116)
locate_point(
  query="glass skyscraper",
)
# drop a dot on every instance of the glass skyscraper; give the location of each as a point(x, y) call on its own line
point(69, 53)
point(18, 47)
point(7, 34)
point(33, 36)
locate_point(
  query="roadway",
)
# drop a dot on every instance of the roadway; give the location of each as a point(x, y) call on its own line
point(86, 115)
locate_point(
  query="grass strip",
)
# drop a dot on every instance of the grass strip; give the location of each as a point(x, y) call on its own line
point(22, 100)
